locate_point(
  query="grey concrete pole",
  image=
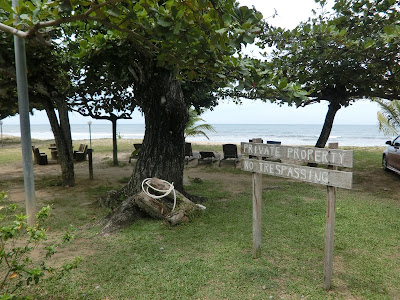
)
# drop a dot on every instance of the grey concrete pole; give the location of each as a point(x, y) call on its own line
point(26, 143)
point(90, 133)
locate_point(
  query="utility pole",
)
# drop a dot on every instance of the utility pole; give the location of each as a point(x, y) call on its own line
point(26, 143)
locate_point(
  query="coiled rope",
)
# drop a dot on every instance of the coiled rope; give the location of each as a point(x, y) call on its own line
point(146, 185)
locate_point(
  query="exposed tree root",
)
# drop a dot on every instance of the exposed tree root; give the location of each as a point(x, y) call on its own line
point(141, 205)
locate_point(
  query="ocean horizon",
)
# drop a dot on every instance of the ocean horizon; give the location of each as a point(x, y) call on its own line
point(287, 134)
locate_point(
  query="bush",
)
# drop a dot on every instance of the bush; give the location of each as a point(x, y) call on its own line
point(17, 241)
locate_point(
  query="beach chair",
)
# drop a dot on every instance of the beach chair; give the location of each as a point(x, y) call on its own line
point(81, 154)
point(40, 158)
point(230, 151)
point(207, 156)
point(135, 153)
point(188, 152)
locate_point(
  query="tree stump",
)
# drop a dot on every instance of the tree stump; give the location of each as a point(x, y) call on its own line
point(141, 205)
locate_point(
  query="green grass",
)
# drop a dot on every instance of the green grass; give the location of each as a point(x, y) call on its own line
point(367, 157)
point(47, 181)
point(211, 257)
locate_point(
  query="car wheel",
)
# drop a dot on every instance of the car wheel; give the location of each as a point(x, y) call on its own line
point(384, 162)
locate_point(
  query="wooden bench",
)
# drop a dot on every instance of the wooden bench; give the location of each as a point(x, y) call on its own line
point(81, 153)
point(40, 158)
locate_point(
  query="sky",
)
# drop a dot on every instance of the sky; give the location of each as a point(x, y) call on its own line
point(289, 14)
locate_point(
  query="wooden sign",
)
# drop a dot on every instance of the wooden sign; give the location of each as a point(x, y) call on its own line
point(314, 175)
point(330, 177)
point(326, 156)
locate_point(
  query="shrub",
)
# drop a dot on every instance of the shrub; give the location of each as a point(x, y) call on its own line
point(17, 241)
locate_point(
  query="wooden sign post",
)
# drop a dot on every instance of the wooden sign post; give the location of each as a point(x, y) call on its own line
point(329, 228)
point(331, 177)
point(257, 199)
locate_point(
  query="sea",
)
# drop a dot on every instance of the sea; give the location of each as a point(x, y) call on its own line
point(289, 134)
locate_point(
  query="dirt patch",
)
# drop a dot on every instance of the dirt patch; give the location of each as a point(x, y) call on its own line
point(232, 182)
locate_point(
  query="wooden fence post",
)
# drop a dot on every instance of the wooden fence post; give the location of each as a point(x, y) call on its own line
point(257, 198)
point(330, 228)
point(90, 156)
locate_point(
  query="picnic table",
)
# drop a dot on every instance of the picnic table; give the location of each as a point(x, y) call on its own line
point(54, 153)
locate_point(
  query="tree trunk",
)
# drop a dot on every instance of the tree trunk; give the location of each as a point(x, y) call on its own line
point(327, 127)
point(62, 135)
point(166, 115)
point(113, 120)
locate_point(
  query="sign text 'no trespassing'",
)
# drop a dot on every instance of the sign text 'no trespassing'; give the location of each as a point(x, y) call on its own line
point(314, 175)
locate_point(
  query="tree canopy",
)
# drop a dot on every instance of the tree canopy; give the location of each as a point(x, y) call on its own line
point(49, 84)
point(338, 58)
point(389, 116)
point(103, 87)
point(194, 38)
point(194, 43)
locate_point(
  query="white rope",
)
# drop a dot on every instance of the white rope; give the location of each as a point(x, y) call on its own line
point(164, 192)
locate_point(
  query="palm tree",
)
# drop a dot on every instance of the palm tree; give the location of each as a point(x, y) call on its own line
point(192, 129)
point(389, 116)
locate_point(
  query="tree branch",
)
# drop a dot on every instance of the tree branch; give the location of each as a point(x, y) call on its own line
point(31, 31)
point(12, 30)
point(127, 31)
point(86, 15)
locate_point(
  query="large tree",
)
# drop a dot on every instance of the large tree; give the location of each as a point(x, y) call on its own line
point(48, 86)
point(338, 59)
point(173, 41)
point(103, 87)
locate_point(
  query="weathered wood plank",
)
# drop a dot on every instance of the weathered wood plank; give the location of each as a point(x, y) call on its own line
point(336, 157)
point(314, 175)
point(257, 200)
point(329, 230)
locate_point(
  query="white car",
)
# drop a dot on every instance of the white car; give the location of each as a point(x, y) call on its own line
point(391, 156)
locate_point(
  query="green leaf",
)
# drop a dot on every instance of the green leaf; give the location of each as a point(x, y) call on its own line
point(369, 44)
point(30, 6)
point(163, 23)
point(114, 13)
point(221, 31)
point(248, 38)
point(10, 21)
point(283, 83)
point(177, 28)
point(389, 30)
point(83, 43)
point(5, 6)
point(227, 19)
point(179, 14)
